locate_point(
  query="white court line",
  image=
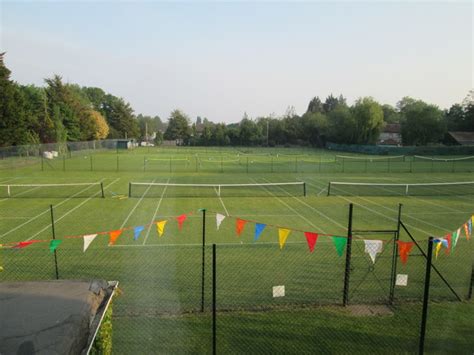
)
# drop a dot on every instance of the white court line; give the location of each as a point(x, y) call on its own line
point(383, 215)
point(314, 209)
point(222, 202)
point(393, 210)
point(136, 205)
point(289, 207)
point(46, 211)
point(21, 193)
point(71, 210)
point(155, 213)
point(4, 217)
point(320, 192)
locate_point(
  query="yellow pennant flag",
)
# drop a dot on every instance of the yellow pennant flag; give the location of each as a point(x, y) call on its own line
point(160, 227)
point(438, 248)
point(282, 235)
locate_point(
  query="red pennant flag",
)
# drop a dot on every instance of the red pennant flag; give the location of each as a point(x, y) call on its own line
point(311, 238)
point(114, 235)
point(448, 239)
point(24, 244)
point(239, 226)
point(404, 249)
point(181, 220)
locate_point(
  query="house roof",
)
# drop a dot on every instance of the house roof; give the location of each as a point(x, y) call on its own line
point(392, 128)
point(463, 138)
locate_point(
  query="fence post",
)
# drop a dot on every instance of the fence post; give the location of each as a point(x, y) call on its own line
point(214, 288)
point(247, 165)
point(144, 163)
point(42, 163)
point(426, 295)
point(64, 163)
point(203, 264)
point(296, 164)
point(271, 169)
point(171, 167)
point(393, 274)
point(347, 273)
point(469, 294)
point(222, 165)
point(54, 237)
point(117, 168)
point(343, 167)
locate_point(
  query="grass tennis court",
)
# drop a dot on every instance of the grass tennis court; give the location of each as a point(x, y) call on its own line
point(160, 277)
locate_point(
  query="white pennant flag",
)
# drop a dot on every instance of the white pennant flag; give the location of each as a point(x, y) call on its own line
point(219, 219)
point(88, 240)
point(373, 247)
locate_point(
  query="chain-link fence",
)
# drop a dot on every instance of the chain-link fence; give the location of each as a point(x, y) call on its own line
point(268, 300)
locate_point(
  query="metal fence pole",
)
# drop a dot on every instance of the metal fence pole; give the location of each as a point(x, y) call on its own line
point(247, 164)
point(347, 273)
point(214, 289)
point(469, 294)
point(203, 265)
point(117, 167)
point(64, 163)
point(92, 166)
point(426, 295)
point(54, 237)
point(393, 276)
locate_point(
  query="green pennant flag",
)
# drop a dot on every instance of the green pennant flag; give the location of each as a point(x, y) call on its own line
point(340, 244)
point(455, 239)
point(54, 244)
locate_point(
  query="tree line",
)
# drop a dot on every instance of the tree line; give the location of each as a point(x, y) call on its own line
point(58, 112)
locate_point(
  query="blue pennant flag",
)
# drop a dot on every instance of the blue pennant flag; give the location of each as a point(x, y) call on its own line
point(137, 231)
point(259, 227)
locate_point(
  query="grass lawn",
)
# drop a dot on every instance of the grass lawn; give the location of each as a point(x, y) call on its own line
point(160, 277)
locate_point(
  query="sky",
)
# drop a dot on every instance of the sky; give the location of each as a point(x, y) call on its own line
point(222, 59)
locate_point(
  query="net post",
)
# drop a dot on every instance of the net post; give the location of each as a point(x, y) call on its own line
point(406, 189)
point(426, 296)
point(214, 310)
point(304, 189)
point(203, 263)
point(102, 189)
point(395, 257)
point(54, 237)
point(347, 273)
point(129, 189)
point(8, 191)
point(329, 188)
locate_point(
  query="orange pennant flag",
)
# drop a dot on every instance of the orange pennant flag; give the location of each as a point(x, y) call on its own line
point(311, 238)
point(239, 226)
point(181, 220)
point(160, 227)
point(404, 249)
point(282, 236)
point(447, 237)
point(466, 230)
point(114, 235)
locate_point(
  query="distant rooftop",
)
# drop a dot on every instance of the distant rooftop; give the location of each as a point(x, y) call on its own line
point(463, 138)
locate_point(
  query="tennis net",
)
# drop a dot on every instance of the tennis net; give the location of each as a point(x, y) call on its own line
point(79, 190)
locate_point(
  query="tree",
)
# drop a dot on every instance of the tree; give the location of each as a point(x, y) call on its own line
point(332, 102)
point(178, 126)
point(315, 105)
point(390, 114)
point(13, 117)
point(341, 125)
point(120, 118)
point(315, 126)
point(421, 123)
point(368, 117)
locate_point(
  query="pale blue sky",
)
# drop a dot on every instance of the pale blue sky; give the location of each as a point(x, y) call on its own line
point(218, 60)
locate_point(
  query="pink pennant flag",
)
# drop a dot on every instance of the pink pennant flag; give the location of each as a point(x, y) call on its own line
point(113, 235)
point(311, 238)
point(181, 220)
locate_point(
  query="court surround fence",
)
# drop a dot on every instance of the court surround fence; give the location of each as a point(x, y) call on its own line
point(229, 292)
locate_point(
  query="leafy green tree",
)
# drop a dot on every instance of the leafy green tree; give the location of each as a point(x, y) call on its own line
point(315, 126)
point(119, 115)
point(341, 125)
point(315, 105)
point(368, 117)
point(421, 123)
point(178, 126)
point(332, 102)
point(390, 114)
point(13, 116)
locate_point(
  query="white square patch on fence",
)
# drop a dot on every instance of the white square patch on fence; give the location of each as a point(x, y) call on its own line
point(278, 291)
point(402, 280)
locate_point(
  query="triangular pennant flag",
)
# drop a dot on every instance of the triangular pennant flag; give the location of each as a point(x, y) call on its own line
point(88, 240)
point(282, 236)
point(340, 243)
point(54, 244)
point(466, 231)
point(373, 247)
point(181, 220)
point(160, 227)
point(455, 237)
point(137, 231)
point(311, 238)
point(439, 243)
point(219, 219)
point(259, 227)
point(404, 249)
point(239, 226)
point(447, 243)
point(24, 244)
point(469, 226)
point(113, 235)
